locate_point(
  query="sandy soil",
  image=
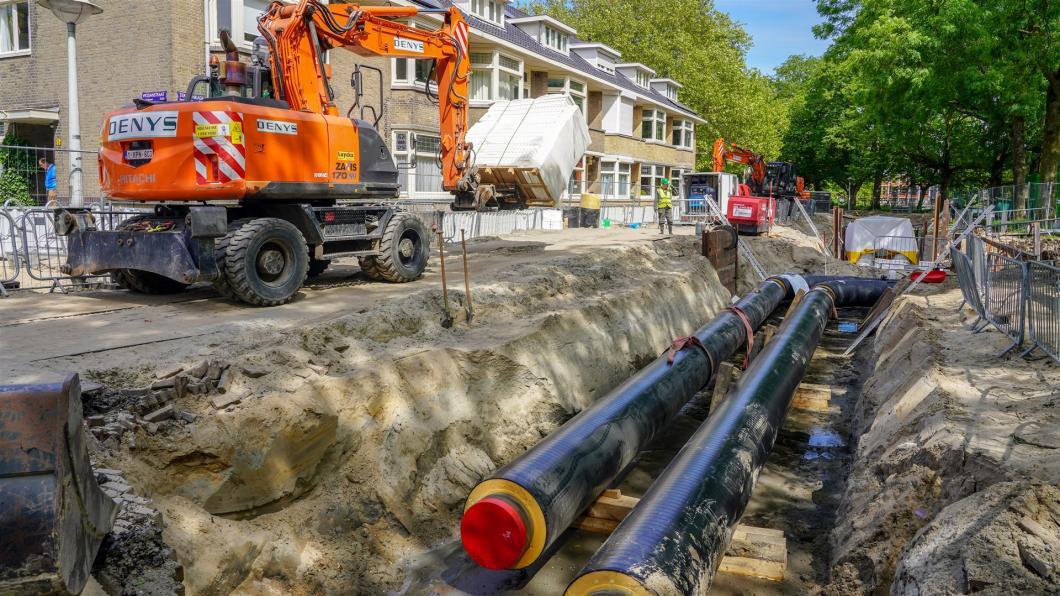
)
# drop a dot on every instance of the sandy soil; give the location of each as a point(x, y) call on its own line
point(955, 448)
point(358, 423)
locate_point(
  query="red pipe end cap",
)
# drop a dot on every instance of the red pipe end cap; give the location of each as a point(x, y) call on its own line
point(493, 533)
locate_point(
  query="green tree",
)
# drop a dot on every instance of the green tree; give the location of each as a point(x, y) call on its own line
point(15, 167)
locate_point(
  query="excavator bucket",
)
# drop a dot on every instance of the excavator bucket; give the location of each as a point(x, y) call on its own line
point(53, 515)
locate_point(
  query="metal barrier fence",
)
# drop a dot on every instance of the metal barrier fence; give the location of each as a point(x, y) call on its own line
point(969, 287)
point(33, 254)
point(1005, 279)
point(1043, 307)
point(1020, 298)
point(32, 176)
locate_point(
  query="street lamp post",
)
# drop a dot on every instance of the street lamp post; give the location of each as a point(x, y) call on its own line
point(73, 12)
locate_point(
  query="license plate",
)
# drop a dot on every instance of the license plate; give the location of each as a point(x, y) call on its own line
point(133, 154)
point(741, 211)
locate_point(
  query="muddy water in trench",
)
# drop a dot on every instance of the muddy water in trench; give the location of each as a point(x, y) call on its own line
point(798, 491)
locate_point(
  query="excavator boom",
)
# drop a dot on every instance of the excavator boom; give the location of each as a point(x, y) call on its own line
point(299, 34)
point(740, 155)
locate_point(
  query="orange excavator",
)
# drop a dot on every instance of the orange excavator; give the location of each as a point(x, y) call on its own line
point(256, 178)
point(737, 154)
point(754, 208)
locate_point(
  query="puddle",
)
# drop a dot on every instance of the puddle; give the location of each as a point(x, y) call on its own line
point(822, 437)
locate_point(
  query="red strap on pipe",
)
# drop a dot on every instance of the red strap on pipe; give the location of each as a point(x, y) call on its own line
point(750, 332)
point(681, 343)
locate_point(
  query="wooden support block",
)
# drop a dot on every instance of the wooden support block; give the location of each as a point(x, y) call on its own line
point(762, 339)
point(813, 397)
point(795, 302)
point(722, 382)
point(753, 552)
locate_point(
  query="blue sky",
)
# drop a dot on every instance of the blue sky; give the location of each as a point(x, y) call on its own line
point(779, 28)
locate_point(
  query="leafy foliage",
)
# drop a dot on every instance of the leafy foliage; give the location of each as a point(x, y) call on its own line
point(14, 165)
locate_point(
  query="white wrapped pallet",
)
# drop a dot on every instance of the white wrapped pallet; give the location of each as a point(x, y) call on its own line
point(534, 144)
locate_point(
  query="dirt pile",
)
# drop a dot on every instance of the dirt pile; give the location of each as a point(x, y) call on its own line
point(942, 420)
point(349, 445)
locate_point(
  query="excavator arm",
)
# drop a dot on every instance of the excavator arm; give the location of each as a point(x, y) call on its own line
point(299, 34)
point(740, 155)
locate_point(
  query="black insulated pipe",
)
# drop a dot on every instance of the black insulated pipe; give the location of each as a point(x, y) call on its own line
point(513, 516)
point(673, 541)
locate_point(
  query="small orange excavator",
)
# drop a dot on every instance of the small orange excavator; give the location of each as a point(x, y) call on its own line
point(753, 209)
point(256, 178)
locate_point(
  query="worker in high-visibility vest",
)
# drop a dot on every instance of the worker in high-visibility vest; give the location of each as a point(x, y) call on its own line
point(664, 205)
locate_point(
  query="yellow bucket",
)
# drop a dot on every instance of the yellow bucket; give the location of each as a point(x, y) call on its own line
point(590, 201)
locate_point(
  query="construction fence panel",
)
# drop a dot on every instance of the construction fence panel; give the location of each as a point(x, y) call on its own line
point(25, 179)
point(10, 269)
point(968, 284)
point(1043, 306)
point(1005, 292)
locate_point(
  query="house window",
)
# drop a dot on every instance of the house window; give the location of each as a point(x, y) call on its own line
point(410, 72)
point(642, 79)
point(575, 89)
point(240, 18)
point(555, 39)
point(490, 10)
point(683, 134)
point(419, 168)
point(495, 76)
point(671, 92)
point(14, 27)
point(650, 178)
point(614, 180)
point(653, 125)
point(576, 184)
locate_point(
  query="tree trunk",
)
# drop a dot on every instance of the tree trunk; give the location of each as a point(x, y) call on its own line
point(944, 195)
point(923, 190)
point(997, 170)
point(877, 185)
point(1051, 134)
point(1019, 160)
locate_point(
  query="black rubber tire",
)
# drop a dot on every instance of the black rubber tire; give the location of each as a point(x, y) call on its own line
point(370, 268)
point(318, 266)
point(266, 261)
point(220, 250)
point(144, 282)
point(405, 249)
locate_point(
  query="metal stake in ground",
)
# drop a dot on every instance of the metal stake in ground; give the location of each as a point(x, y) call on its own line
point(447, 317)
point(467, 281)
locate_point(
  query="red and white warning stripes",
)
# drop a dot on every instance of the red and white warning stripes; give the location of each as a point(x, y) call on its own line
point(460, 34)
point(219, 134)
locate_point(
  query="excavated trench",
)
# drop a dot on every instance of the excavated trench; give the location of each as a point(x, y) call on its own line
point(341, 453)
point(354, 442)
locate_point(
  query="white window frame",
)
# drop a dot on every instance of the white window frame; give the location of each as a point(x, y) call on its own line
point(617, 170)
point(576, 183)
point(555, 39)
point(671, 92)
point(655, 174)
point(580, 97)
point(236, 6)
point(642, 79)
point(491, 11)
point(658, 120)
point(409, 156)
point(496, 69)
point(409, 81)
point(688, 133)
point(5, 5)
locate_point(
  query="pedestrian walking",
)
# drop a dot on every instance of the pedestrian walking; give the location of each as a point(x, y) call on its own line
point(49, 178)
point(664, 205)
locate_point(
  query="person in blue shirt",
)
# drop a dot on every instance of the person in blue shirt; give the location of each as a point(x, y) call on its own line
point(49, 178)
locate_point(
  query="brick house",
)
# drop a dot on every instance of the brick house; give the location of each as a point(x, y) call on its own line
point(640, 130)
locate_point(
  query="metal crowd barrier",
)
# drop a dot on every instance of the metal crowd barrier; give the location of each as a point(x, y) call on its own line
point(1005, 279)
point(969, 288)
point(1043, 307)
point(9, 261)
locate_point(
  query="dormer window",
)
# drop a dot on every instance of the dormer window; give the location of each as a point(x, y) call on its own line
point(555, 39)
point(671, 92)
point(489, 10)
point(642, 79)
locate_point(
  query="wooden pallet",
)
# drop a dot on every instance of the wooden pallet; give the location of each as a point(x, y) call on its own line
point(753, 552)
point(529, 181)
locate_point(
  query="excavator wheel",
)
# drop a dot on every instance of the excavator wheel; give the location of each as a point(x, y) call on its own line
point(265, 261)
point(370, 268)
point(221, 284)
point(144, 282)
point(404, 249)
